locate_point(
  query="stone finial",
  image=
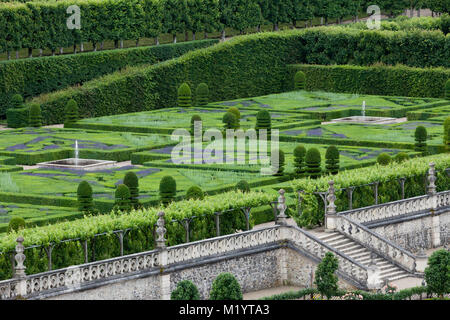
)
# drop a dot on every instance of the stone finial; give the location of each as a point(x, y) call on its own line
point(431, 180)
point(331, 198)
point(19, 270)
point(161, 231)
point(281, 206)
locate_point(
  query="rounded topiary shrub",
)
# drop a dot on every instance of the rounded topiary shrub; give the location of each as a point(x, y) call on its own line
point(384, 159)
point(229, 121)
point(300, 80)
point(84, 194)
point(195, 193)
point(185, 290)
point(226, 287)
point(401, 156)
point(237, 114)
point(202, 94)
point(16, 101)
point(15, 224)
point(195, 118)
point(447, 89)
point(17, 115)
point(263, 122)
point(71, 112)
point(35, 119)
point(167, 189)
point(332, 160)
point(313, 163)
point(447, 133)
point(299, 160)
point(122, 197)
point(421, 140)
point(184, 96)
point(131, 180)
point(243, 186)
point(279, 165)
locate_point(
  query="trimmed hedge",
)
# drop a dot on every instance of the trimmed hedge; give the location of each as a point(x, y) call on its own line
point(244, 65)
point(377, 80)
point(31, 77)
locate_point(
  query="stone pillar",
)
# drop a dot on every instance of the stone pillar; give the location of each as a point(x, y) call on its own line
point(330, 215)
point(431, 189)
point(281, 206)
point(19, 270)
point(164, 279)
point(435, 221)
point(421, 261)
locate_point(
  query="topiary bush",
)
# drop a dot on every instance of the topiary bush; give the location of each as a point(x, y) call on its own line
point(15, 224)
point(195, 193)
point(447, 133)
point(299, 160)
point(195, 118)
point(122, 198)
point(71, 112)
point(313, 161)
point(299, 80)
point(167, 189)
point(263, 121)
point(421, 137)
point(185, 290)
point(17, 115)
point(229, 121)
point(237, 114)
point(401, 156)
point(84, 194)
point(243, 186)
point(202, 95)
point(447, 90)
point(226, 287)
point(35, 119)
point(325, 280)
point(384, 159)
point(332, 160)
point(437, 273)
point(184, 96)
point(281, 162)
point(131, 180)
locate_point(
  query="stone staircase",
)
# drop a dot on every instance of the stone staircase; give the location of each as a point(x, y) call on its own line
point(389, 271)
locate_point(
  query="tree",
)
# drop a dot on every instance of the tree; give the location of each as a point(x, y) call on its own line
point(243, 186)
point(263, 122)
point(185, 290)
point(237, 114)
point(226, 287)
point(313, 161)
point(393, 7)
point(421, 140)
point(384, 159)
point(35, 119)
point(15, 224)
point(203, 14)
point(202, 95)
point(71, 112)
point(17, 116)
point(84, 194)
point(184, 96)
point(275, 11)
point(437, 273)
point(332, 160)
point(195, 192)
point(442, 6)
point(239, 15)
point(326, 281)
point(122, 197)
point(299, 160)
point(447, 133)
point(300, 10)
point(229, 121)
point(175, 17)
point(195, 118)
point(167, 189)
point(131, 180)
point(401, 157)
point(299, 80)
point(281, 162)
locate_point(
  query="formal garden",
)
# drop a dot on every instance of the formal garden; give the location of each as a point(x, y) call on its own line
point(88, 118)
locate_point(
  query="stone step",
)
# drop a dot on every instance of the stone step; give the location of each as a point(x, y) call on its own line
point(339, 241)
point(387, 274)
point(388, 268)
point(357, 253)
point(347, 246)
point(368, 261)
point(326, 236)
point(401, 276)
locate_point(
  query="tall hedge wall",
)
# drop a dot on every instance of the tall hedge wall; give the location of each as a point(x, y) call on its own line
point(31, 77)
point(243, 67)
point(379, 79)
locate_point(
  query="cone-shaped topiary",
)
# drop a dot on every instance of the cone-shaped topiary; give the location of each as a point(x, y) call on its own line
point(447, 89)
point(226, 287)
point(195, 193)
point(263, 122)
point(326, 280)
point(202, 95)
point(299, 80)
point(16, 101)
point(421, 140)
point(35, 119)
point(15, 224)
point(195, 118)
point(71, 112)
point(131, 180)
point(184, 96)
point(280, 163)
point(447, 133)
point(332, 160)
point(167, 189)
point(313, 161)
point(229, 121)
point(122, 197)
point(237, 114)
point(84, 193)
point(437, 273)
point(185, 290)
point(384, 159)
point(299, 160)
point(243, 186)
point(17, 115)
point(400, 157)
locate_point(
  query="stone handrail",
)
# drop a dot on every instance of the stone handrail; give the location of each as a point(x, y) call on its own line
point(8, 289)
point(398, 208)
point(377, 243)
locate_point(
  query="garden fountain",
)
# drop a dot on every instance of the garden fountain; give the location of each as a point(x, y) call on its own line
point(77, 163)
point(363, 119)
